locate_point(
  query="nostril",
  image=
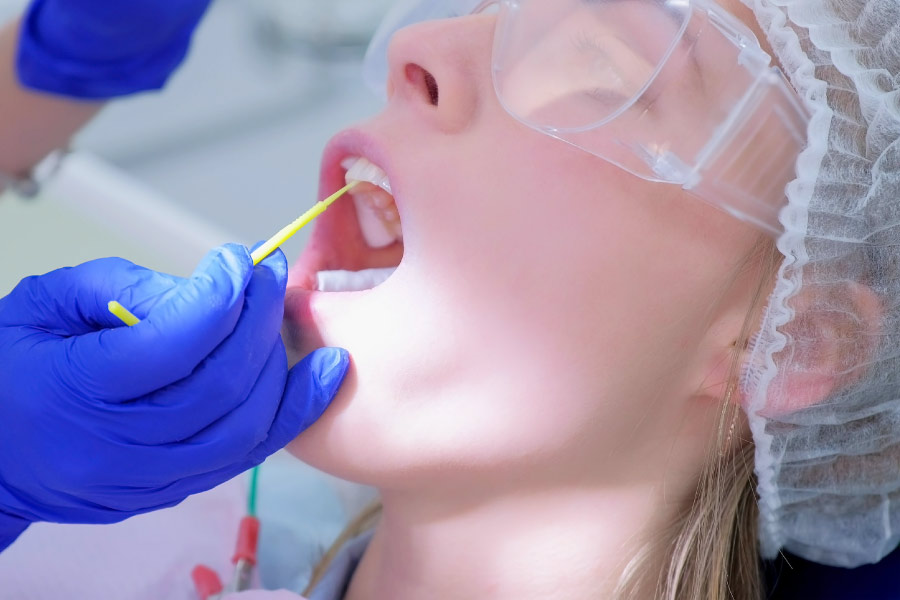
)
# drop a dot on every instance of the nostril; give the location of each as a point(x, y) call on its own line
point(432, 85)
point(424, 81)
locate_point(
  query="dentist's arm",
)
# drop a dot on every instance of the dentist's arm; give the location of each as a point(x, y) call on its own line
point(65, 57)
point(32, 124)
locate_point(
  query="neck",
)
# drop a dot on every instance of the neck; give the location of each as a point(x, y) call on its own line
point(562, 543)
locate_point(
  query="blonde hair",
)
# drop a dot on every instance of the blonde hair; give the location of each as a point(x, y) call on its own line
point(711, 550)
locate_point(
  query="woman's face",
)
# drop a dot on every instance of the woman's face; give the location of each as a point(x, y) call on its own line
point(553, 317)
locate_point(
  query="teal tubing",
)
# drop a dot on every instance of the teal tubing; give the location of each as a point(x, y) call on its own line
point(254, 487)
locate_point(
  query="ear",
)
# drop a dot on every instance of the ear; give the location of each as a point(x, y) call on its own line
point(834, 332)
point(720, 359)
point(833, 336)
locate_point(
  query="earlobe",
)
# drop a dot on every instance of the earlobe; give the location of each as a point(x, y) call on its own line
point(832, 337)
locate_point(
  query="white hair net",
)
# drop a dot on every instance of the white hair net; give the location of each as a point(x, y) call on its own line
point(823, 379)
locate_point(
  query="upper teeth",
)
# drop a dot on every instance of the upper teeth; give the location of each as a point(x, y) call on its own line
point(379, 220)
point(361, 169)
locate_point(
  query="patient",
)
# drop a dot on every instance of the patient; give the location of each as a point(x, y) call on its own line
point(547, 389)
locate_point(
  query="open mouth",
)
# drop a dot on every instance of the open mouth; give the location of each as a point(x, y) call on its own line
point(358, 243)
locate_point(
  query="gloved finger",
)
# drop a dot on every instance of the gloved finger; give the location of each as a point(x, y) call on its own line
point(312, 385)
point(73, 300)
point(222, 381)
point(165, 347)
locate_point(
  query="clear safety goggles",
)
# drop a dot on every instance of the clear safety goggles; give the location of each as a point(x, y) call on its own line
point(674, 91)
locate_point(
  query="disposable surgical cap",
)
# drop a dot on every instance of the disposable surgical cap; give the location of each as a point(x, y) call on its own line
point(823, 380)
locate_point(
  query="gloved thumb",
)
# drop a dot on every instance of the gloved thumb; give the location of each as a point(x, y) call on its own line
point(312, 385)
point(169, 342)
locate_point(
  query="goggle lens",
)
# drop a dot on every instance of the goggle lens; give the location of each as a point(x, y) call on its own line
point(570, 64)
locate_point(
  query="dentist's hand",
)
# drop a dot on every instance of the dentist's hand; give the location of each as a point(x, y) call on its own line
point(99, 421)
point(104, 48)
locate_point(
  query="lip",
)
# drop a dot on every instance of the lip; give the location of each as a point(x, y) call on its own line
point(301, 294)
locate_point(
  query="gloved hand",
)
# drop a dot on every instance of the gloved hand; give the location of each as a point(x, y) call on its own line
point(98, 49)
point(101, 421)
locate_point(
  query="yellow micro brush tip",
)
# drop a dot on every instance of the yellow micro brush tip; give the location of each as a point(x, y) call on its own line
point(260, 253)
point(123, 313)
point(305, 219)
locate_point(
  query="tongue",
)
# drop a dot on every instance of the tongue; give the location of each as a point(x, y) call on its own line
point(351, 281)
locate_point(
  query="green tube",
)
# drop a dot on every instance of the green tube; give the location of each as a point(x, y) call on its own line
point(251, 497)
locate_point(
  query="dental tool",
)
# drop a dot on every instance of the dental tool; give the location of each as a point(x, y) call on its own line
point(122, 313)
point(207, 583)
point(263, 251)
point(302, 221)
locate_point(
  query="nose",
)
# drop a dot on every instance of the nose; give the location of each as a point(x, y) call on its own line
point(441, 69)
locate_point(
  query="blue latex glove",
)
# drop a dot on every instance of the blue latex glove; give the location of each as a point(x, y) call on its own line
point(102, 421)
point(96, 49)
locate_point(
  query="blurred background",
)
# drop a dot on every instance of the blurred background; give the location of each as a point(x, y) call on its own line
point(229, 151)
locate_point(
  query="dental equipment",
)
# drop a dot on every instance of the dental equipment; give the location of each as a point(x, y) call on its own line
point(302, 221)
point(260, 253)
point(123, 313)
point(207, 582)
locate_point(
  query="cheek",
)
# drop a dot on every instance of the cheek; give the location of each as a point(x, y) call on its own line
point(561, 252)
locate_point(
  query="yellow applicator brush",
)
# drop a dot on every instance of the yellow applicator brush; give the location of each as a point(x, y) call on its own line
point(123, 313)
point(263, 251)
point(302, 221)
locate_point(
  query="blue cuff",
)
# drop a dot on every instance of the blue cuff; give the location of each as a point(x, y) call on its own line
point(42, 68)
point(10, 528)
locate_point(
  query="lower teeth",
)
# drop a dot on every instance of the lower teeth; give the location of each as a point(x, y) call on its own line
point(351, 281)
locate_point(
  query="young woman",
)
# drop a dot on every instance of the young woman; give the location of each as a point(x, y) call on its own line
point(546, 390)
